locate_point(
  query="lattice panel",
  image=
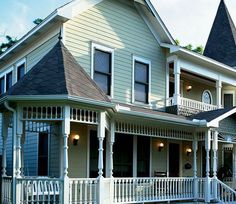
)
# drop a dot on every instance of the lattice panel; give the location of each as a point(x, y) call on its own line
point(83, 116)
point(43, 113)
point(137, 129)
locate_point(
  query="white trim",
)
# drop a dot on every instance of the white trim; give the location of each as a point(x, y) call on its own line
point(228, 92)
point(207, 91)
point(147, 62)
point(105, 49)
point(4, 75)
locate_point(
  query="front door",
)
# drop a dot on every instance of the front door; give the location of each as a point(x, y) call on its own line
point(174, 160)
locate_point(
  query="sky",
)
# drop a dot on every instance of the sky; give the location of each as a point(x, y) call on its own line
point(189, 21)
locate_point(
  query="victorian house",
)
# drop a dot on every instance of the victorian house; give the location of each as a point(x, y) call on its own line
point(100, 106)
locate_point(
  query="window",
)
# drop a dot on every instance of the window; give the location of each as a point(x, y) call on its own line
point(206, 97)
point(228, 100)
point(141, 89)
point(20, 71)
point(102, 67)
point(2, 85)
point(8, 80)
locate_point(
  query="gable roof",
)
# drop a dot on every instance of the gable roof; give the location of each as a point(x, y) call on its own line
point(221, 44)
point(75, 7)
point(215, 116)
point(58, 73)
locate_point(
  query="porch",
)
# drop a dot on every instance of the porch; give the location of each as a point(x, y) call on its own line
point(77, 173)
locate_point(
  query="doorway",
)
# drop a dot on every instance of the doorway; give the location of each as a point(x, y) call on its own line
point(174, 159)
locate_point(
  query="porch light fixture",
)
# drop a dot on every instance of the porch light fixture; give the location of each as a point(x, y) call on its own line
point(189, 88)
point(160, 146)
point(188, 151)
point(75, 140)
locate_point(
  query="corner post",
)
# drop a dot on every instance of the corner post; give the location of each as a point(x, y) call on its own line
point(5, 122)
point(177, 72)
point(215, 149)
point(218, 93)
point(101, 136)
point(208, 180)
point(111, 142)
point(65, 135)
point(195, 148)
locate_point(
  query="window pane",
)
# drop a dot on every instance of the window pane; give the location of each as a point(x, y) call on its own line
point(228, 100)
point(9, 81)
point(20, 71)
point(103, 82)
point(2, 85)
point(141, 72)
point(206, 98)
point(102, 61)
point(141, 93)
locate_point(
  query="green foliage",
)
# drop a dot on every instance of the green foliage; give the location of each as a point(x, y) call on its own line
point(37, 21)
point(199, 49)
point(177, 42)
point(9, 42)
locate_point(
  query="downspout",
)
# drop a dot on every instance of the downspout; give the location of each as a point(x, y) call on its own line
point(6, 104)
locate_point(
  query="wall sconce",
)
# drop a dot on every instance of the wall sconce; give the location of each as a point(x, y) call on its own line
point(160, 146)
point(75, 140)
point(188, 151)
point(189, 88)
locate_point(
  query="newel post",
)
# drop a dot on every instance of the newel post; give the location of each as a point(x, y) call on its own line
point(208, 180)
point(65, 136)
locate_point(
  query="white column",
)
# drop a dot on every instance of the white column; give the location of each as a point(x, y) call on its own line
point(101, 136)
point(218, 93)
point(234, 166)
point(177, 72)
point(167, 82)
point(208, 148)
point(19, 132)
point(22, 150)
point(215, 161)
point(4, 147)
point(135, 155)
point(65, 135)
point(195, 148)
point(112, 140)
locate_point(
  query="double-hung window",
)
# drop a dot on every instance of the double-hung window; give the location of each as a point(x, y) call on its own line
point(141, 86)
point(103, 67)
point(20, 71)
point(8, 80)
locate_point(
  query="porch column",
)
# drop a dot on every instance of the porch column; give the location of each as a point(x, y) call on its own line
point(112, 140)
point(4, 147)
point(218, 93)
point(234, 166)
point(101, 136)
point(65, 134)
point(19, 132)
point(208, 148)
point(195, 148)
point(215, 150)
point(177, 72)
point(22, 151)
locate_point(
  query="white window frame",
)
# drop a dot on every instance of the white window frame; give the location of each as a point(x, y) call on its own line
point(19, 63)
point(144, 61)
point(4, 74)
point(105, 49)
point(209, 94)
point(228, 92)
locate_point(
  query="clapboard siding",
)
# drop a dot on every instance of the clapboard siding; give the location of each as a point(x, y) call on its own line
point(119, 26)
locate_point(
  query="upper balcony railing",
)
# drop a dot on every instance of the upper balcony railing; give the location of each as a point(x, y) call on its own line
point(187, 106)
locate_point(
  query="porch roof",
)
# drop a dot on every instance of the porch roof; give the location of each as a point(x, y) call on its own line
point(215, 116)
point(58, 73)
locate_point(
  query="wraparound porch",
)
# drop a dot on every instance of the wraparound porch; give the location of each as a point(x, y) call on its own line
point(112, 189)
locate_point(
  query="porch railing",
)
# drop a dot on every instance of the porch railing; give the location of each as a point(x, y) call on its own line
point(225, 194)
point(190, 103)
point(135, 190)
point(39, 190)
point(83, 191)
point(6, 189)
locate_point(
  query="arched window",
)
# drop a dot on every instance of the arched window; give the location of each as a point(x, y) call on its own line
point(207, 97)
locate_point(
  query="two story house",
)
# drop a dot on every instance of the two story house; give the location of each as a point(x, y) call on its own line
point(99, 105)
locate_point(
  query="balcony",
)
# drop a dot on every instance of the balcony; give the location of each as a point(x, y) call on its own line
point(185, 106)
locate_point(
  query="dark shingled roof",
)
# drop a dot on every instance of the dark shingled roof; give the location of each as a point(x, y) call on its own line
point(221, 42)
point(58, 73)
point(211, 115)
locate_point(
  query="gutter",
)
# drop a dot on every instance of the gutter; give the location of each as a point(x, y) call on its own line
point(198, 123)
point(6, 104)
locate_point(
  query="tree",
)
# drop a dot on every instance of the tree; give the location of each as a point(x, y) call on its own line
point(37, 21)
point(199, 49)
point(9, 42)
